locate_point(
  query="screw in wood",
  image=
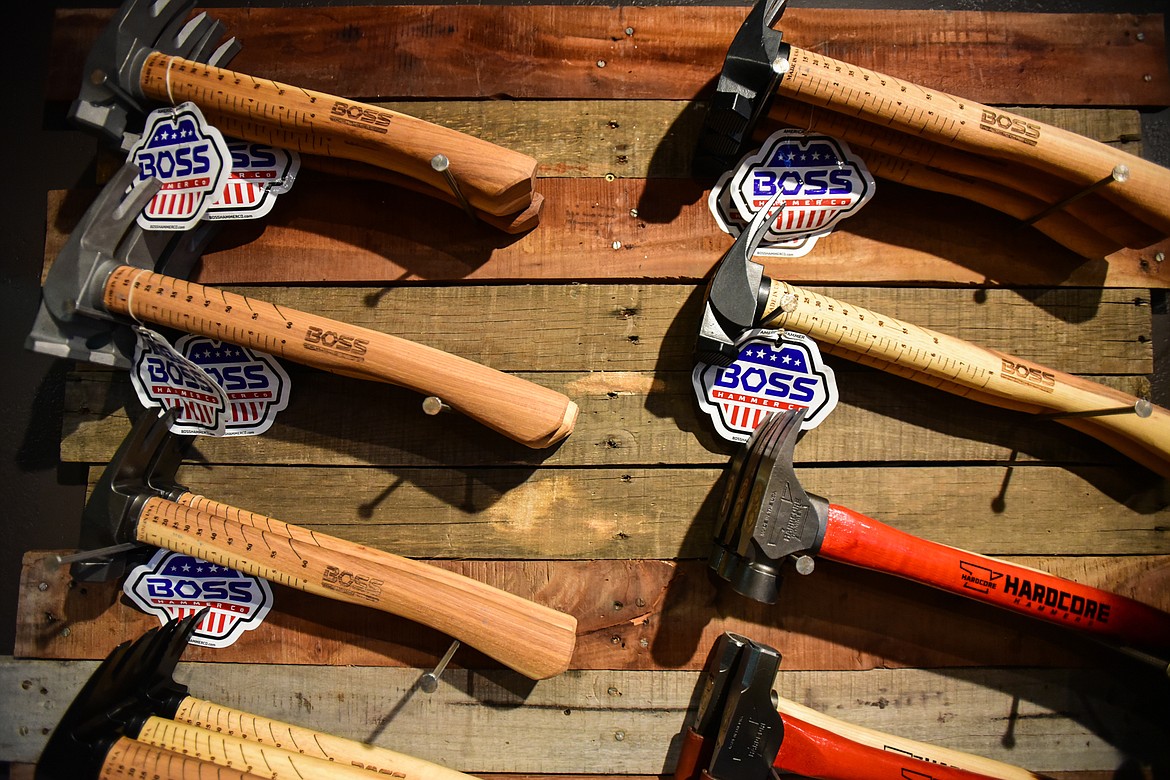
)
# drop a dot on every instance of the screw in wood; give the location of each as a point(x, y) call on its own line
point(441, 164)
point(429, 682)
point(1142, 408)
point(1119, 175)
point(433, 405)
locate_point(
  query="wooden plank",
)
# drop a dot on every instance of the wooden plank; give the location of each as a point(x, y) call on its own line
point(671, 512)
point(333, 230)
point(627, 419)
point(670, 53)
point(629, 722)
point(646, 614)
point(602, 327)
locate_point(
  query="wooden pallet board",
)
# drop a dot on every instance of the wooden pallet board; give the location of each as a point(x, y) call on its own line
point(602, 302)
point(568, 52)
point(628, 722)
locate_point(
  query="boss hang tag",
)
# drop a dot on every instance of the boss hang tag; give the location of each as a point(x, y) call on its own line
point(822, 182)
point(174, 586)
point(259, 174)
point(191, 160)
point(774, 371)
point(256, 385)
point(161, 376)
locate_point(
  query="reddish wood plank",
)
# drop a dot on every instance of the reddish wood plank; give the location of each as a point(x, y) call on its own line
point(334, 231)
point(633, 615)
point(666, 52)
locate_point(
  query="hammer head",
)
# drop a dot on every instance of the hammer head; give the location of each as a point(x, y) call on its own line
point(144, 466)
point(72, 321)
point(755, 63)
point(736, 294)
point(766, 517)
point(135, 680)
point(736, 720)
point(110, 86)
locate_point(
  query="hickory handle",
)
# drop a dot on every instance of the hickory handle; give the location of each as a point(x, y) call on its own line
point(521, 410)
point(964, 124)
point(128, 759)
point(962, 368)
point(278, 761)
point(314, 744)
point(852, 538)
point(528, 637)
point(492, 179)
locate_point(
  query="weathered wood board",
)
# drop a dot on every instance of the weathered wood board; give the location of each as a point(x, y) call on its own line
point(602, 302)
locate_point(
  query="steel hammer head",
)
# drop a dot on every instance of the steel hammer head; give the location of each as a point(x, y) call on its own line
point(766, 517)
point(135, 680)
point(144, 466)
point(110, 86)
point(756, 61)
point(72, 321)
point(736, 294)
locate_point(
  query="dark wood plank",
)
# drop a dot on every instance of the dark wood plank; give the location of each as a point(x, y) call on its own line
point(669, 53)
point(632, 615)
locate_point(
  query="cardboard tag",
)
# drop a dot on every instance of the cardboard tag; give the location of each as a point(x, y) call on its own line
point(259, 174)
point(821, 180)
point(256, 385)
point(174, 586)
point(162, 376)
point(189, 157)
point(775, 371)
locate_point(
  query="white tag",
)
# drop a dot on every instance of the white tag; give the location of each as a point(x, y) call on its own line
point(189, 157)
point(259, 174)
point(256, 385)
point(821, 179)
point(775, 371)
point(163, 377)
point(172, 585)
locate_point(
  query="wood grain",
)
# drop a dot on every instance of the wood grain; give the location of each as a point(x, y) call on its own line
point(671, 53)
point(629, 721)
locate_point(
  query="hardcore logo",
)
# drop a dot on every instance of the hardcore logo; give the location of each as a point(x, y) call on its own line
point(257, 386)
point(173, 585)
point(821, 182)
point(773, 372)
point(1034, 595)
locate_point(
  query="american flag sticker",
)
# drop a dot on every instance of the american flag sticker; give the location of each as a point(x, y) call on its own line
point(259, 174)
point(774, 371)
point(162, 376)
point(190, 159)
point(819, 178)
point(256, 386)
point(174, 586)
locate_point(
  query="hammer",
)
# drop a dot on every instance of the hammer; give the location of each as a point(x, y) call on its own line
point(743, 731)
point(147, 53)
point(133, 694)
point(766, 519)
point(740, 297)
point(128, 507)
point(759, 64)
point(105, 272)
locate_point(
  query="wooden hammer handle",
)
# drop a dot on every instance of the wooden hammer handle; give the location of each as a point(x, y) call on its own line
point(129, 759)
point(973, 127)
point(965, 369)
point(523, 411)
point(275, 761)
point(315, 744)
point(491, 178)
point(532, 639)
point(853, 538)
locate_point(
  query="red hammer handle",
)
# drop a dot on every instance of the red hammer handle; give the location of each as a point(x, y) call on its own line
point(811, 750)
point(855, 539)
